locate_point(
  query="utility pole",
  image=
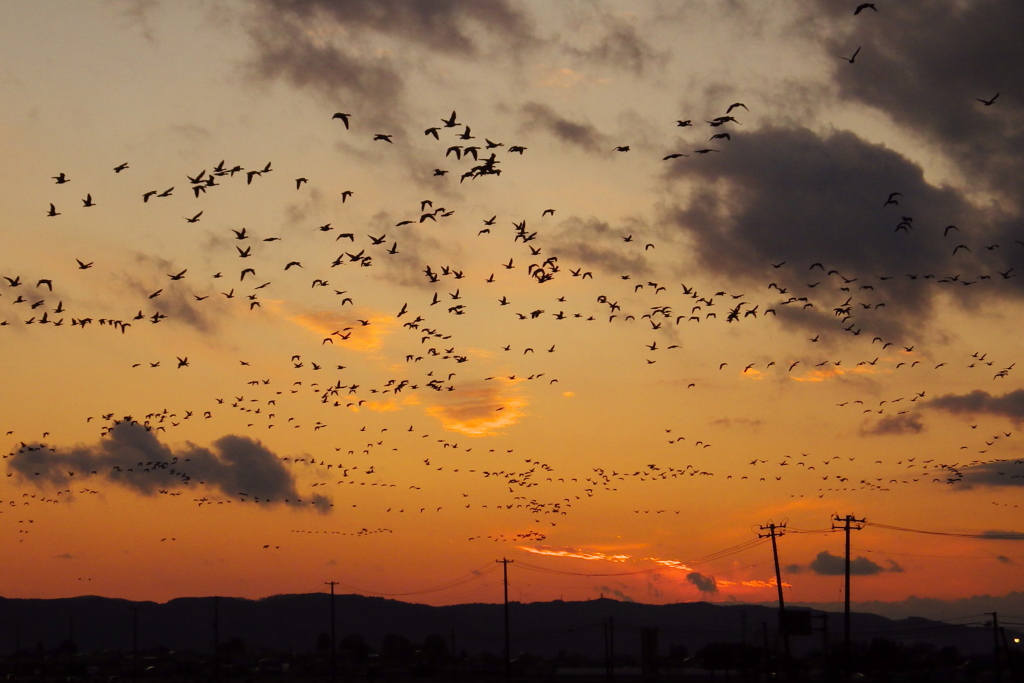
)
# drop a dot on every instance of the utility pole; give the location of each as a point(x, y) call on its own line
point(848, 523)
point(609, 649)
point(995, 647)
point(455, 657)
point(508, 652)
point(216, 639)
point(775, 531)
point(71, 646)
point(334, 640)
point(824, 641)
point(135, 644)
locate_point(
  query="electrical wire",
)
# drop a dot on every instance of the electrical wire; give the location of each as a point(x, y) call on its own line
point(826, 530)
point(989, 536)
point(472, 576)
point(956, 557)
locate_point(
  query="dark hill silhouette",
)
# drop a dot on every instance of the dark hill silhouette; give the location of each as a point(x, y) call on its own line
point(294, 623)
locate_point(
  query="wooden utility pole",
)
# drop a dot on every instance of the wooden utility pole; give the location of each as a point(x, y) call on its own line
point(609, 649)
point(824, 641)
point(455, 657)
point(334, 639)
point(848, 523)
point(135, 644)
point(997, 664)
point(508, 651)
point(216, 639)
point(774, 531)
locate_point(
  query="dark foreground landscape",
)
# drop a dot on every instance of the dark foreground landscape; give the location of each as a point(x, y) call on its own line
point(289, 636)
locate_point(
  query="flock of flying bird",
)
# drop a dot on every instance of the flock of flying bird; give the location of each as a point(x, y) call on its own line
point(531, 496)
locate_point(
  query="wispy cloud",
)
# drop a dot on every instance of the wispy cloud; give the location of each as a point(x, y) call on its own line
point(574, 553)
point(347, 330)
point(333, 49)
point(480, 408)
point(594, 243)
point(621, 43)
point(596, 555)
point(581, 134)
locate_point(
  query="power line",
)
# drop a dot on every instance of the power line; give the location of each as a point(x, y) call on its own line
point(825, 530)
point(473, 576)
point(988, 535)
point(955, 557)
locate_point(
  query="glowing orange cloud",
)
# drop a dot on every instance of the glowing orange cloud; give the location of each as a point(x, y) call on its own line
point(345, 329)
point(581, 554)
point(573, 553)
point(671, 564)
point(753, 583)
point(562, 79)
point(390, 406)
point(480, 408)
point(825, 374)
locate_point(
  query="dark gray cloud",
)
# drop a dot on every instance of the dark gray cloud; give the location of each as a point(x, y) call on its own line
point(415, 248)
point(284, 50)
point(586, 136)
point(139, 13)
point(791, 196)
point(979, 402)
point(593, 243)
point(1000, 473)
point(176, 300)
point(131, 456)
point(828, 564)
point(705, 584)
point(891, 425)
point(458, 27)
point(327, 46)
point(928, 80)
point(619, 43)
point(609, 590)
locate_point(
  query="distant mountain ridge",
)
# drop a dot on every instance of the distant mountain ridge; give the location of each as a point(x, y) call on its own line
point(294, 623)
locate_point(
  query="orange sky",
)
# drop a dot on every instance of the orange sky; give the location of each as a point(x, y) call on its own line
point(611, 365)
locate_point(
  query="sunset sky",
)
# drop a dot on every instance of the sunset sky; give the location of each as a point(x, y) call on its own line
point(602, 288)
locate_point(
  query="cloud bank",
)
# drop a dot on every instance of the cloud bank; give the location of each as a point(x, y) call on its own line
point(132, 457)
